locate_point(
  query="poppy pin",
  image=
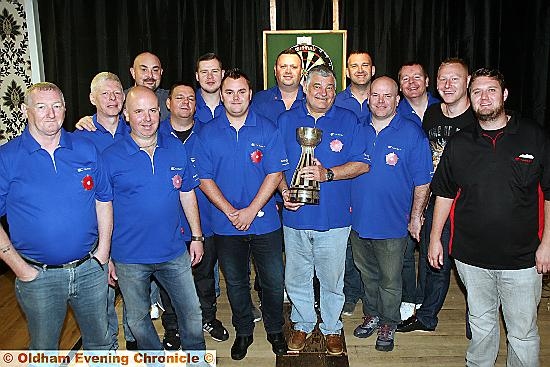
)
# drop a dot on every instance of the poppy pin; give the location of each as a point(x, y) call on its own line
point(256, 156)
point(391, 159)
point(88, 182)
point(176, 181)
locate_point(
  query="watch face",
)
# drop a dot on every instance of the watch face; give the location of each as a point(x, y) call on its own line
point(311, 56)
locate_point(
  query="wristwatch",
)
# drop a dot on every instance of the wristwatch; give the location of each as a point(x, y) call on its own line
point(197, 238)
point(330, 175)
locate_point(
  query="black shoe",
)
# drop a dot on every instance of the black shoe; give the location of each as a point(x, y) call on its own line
point(240, 346)
point(131, 345)
point(216, 330)
point(412, 324)
point(278, 343)
point(171, 340)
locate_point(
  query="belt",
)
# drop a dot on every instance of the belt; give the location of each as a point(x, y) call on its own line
point(70, 265)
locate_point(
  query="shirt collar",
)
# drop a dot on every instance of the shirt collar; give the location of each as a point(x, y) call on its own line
point(31, 145)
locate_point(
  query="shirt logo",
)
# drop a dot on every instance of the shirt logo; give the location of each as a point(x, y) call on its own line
point(525, 158)
point(176, 168)
point(83, 169)
point(256, 156)
point(336, 145)
point(257, 145)
point(391, 159)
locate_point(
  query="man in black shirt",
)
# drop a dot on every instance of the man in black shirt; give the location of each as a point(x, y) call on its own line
point(440, 122)
point(492, 171)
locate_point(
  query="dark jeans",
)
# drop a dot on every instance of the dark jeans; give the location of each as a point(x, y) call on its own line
point(413, 284)
point(437, 281)
point(353, 285)
point(203, 276)
point(234, 254)
point(380, 263)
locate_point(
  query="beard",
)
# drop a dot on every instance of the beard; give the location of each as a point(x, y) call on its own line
point(489, 115)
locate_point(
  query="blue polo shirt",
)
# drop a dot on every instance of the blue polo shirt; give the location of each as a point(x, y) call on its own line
point(345, 99)
point(205, 207)
point(203, 114)
point(343, 141)
point(269, 103)
point(382, 199)
point(147, 208)
point(239, 162)
point(50, 203)
point(405, 109)
point(101, 137)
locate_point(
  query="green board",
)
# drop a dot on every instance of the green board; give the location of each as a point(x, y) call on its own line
point(314, 47)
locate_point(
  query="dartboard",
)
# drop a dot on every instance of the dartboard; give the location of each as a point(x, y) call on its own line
point(312, 56)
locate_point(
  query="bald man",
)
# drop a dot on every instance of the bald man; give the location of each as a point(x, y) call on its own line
point(398, 181)
point(153, 181)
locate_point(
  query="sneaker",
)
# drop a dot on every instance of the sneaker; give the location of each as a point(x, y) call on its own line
point(216, 330)
point(412, 324)
point(348, 309)
point(367, 328)
point(256, 313)
point(407, 310)
point(384, 342)
point(171, 340)
point(155, 312)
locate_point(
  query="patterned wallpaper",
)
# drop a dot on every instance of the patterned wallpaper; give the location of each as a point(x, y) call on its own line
point(15, 67)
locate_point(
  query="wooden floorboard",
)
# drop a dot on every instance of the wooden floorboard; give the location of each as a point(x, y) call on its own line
point(443, 348)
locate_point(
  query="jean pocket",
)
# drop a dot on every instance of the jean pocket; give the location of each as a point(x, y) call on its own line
point(38, 275)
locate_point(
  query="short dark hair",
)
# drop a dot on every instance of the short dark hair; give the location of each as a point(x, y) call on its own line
point(179, 84)
point(490, 73)
point(360, 52)
point(455, 60)
point(235, 74)
point(287, 51)
point(207, 57)
point(411, 63)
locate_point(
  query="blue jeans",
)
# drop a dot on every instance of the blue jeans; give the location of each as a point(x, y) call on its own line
point(437, 281)
point(175, 276)
point(381, 264)
point(518, 291)
point(413, 284)
point(234, 256)
point(322, 253)
point(44, 301)
point(353, 285)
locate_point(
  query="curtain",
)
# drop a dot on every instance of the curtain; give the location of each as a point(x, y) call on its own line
point(81, 38)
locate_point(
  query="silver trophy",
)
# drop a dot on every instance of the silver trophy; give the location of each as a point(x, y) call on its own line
point(303, 190)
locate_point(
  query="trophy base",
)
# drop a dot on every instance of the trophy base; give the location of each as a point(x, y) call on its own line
point(306, 196)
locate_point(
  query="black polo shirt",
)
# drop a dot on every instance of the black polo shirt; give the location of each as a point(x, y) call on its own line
point(495, 182)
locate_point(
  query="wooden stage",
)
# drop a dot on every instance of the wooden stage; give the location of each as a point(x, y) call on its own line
point(443, 348)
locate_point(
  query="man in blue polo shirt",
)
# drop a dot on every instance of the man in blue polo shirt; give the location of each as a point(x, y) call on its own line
point(181, 124)
point(240, 158)
point(413, 83)
point(57, 183)
point(359, 70)
point(107, 95)
point(152, 179)
point(288, 92)
point(316, 235)
point(209, 73)
point(382, 217)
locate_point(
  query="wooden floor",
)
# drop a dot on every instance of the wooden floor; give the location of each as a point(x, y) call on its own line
point(442, 348)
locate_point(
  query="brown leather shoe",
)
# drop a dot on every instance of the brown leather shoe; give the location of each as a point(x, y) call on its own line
point(334, 344)
point(297, 340)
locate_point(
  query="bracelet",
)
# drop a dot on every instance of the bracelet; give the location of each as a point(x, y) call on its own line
point(197, 238)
